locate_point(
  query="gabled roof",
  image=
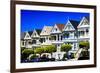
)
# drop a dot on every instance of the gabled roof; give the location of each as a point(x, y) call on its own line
point(80, 24)
point(38, 31)
point(27, 35)
point(46, 30)
point(74, 23)
point(60, 26)
point(30, 32)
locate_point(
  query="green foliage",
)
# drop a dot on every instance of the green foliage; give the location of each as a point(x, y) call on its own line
point(38, 50)
point(66, 47)
point(46, 49)
point(26, 52)
point(50, 49)
point(85, 53)
point(64, 56)
point(84, 44)
point(22, 48)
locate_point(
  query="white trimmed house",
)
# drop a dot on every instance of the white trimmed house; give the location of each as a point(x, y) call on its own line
point(70, 34)
point(56, 39)
point(45, 35)
point(26, 42)
point(36, 38)
point(83, 29)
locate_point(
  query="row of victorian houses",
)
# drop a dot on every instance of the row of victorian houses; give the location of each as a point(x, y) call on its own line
point(70, 33)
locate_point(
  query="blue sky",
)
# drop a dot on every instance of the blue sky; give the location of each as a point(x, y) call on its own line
point(32, 19)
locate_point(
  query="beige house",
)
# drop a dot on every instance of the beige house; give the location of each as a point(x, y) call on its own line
point(45, 35)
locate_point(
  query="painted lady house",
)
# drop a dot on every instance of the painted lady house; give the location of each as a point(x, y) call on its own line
point(36, 38)
point(26, 39)
point(31, 39)
point(70, 35)
point(45, 35)
point(56, 36)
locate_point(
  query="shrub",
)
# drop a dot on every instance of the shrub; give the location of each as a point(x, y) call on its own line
point(85, 53)
point(50, 49)
point(66, 47)
point(38, 50)
point(64, 56)
point(26, 52)
point(84, 44)
point(22, 48)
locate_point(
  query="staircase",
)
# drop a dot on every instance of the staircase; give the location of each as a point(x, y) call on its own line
point(77, 54)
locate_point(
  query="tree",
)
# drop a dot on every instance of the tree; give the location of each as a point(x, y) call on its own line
point(26, 52)
point(50, 49)
point(66, 47)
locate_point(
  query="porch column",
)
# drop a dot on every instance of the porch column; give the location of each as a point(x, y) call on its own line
point(45, 39)
point(37, 41)
point(48, 38)
point(59, 37)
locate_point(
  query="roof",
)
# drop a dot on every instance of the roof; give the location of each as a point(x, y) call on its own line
point(46, 30)
point(38, 31)
point(30, 32)
point(80, 24)
point(74, 23)
point(60, 26)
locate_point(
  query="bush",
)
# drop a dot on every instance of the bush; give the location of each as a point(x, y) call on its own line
point(72, 55)
point(50, 49)
point(64, 56)
point(84, 44)
point(22, 48)
point(85, 53)
point(66, 47)
point(26, 52)
point(38, 50)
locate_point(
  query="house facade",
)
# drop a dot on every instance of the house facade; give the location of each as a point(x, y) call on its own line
point(56, 39)
point(70, 34)
point(83, 29)
point(36, 38)
point(45, 35)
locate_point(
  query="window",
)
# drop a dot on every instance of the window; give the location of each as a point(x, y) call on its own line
point(34, 34)
point(87, 30)
point(22, 42)
point(82, 33)
point(27, 36)
point(55, 29)
point(68, 26)
point(85, 22)
point(66, 35)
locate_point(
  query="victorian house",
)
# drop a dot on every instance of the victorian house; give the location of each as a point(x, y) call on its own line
point(56, 39)
point(45, 37)
point(70, 34)
point(83, 29)
point(26, 39)
point(36, 38)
